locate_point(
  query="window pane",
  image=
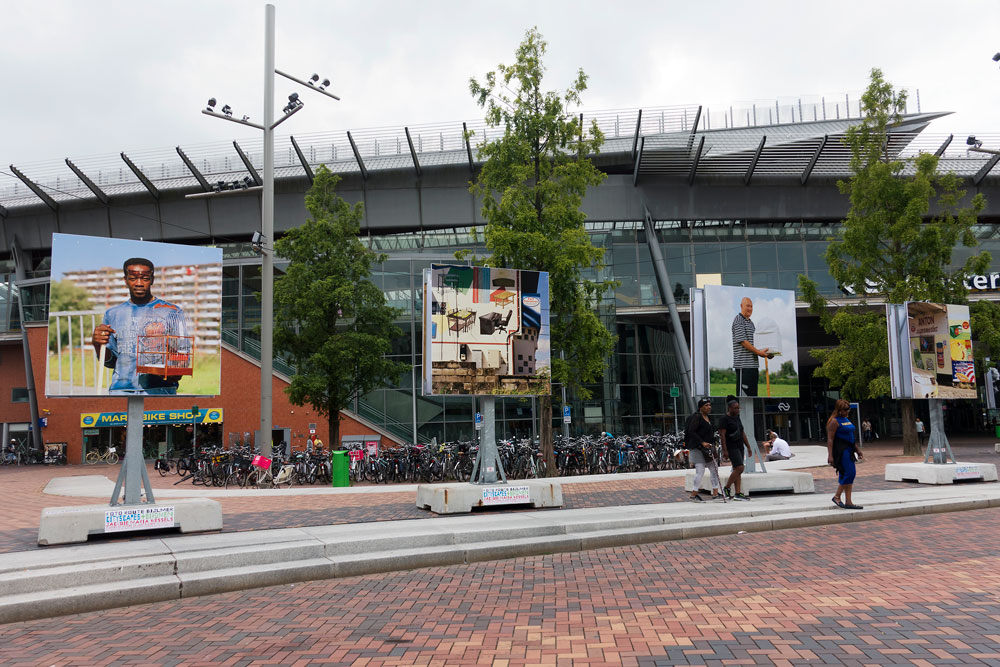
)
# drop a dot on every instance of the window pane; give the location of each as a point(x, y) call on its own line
point(734, 257)
point(790, 257)
point(762, 257)
point(707, 258)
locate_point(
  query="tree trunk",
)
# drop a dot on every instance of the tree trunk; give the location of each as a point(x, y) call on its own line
point(545, 436)
point(910, 445)
point(334, 430)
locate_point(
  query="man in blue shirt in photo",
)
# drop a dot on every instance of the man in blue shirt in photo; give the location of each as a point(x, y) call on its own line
point(142, 315)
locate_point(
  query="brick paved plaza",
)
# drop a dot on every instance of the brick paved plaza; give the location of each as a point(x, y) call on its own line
point(918, 590)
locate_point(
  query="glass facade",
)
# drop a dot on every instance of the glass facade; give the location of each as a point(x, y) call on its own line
point(634, 395)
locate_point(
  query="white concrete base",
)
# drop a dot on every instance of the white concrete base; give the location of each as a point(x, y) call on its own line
point(758, 482)
point(463, 498)
point(66, 525)
point(940, 473)
point(996, 447)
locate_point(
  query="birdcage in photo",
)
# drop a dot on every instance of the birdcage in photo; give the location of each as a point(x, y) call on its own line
point(165, 355)
point(768, 335)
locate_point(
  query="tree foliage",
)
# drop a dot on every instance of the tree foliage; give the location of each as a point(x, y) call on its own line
point(986, 328)
point(532, 185)
point(332, 322)
point(896, 244)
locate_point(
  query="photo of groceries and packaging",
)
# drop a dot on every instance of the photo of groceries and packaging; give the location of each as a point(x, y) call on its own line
point(941, 350)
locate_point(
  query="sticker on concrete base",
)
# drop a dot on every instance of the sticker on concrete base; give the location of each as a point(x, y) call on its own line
point(506, 495)
point(138, 518)
point(968, 472)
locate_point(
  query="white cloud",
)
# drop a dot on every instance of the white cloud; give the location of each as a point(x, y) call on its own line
point(97, 78)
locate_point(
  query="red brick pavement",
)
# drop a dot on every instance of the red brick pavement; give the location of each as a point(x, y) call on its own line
point(21, 490)
point(921, 590)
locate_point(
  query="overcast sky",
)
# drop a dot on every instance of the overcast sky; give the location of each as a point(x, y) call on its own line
point(97, 78)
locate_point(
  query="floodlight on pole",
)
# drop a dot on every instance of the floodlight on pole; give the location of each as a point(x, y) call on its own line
point(321, 88)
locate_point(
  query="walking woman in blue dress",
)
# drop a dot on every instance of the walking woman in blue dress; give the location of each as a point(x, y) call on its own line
point(841, 448)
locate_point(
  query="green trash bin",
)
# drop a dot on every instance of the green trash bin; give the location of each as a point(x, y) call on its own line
point(340, 468)
point(997, 430)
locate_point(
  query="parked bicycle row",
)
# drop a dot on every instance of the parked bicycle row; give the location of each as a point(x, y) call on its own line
point(242, 467)
point(19, 453)
point(521, 459)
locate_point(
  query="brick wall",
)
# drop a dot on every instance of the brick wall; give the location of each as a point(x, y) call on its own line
point(11, 376)
point(240, 402)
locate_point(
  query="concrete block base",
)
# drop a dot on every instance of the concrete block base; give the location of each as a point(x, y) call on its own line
point(67, 525)
point(940, 473)
point(463, 498)
point(758, 482)
point(996, 447)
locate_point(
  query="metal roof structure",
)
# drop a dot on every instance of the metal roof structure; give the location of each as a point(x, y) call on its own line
point(667, 142)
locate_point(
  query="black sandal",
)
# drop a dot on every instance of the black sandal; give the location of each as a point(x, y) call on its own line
point(837, 502)
point(853, 507)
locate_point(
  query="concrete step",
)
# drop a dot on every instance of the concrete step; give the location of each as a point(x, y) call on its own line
point(69, 580)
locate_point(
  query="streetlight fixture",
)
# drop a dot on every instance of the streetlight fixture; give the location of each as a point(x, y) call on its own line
point(264, 238)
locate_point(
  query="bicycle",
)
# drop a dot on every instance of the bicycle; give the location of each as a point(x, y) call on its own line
point(109, 456)
point(165, 464)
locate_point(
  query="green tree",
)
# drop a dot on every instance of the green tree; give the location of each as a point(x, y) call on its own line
point(66, 295)
point(895, 244)
point(787, 370)
point(532, 184)
point(986, 328)
point(332, 322)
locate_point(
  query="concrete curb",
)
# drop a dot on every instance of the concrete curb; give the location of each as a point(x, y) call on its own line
point(69, 580)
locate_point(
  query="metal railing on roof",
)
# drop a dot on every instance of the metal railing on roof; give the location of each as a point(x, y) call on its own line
point(433, 143)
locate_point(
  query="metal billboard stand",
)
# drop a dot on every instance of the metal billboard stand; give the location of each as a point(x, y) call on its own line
point(777, 480)
point(133, 471)
point(901, 375)
point(488, 463)
point(476, 348)
point(747, 417)
point(943, 468)
point(938, 441)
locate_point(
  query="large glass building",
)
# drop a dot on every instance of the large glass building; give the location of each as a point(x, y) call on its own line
point(736, 202)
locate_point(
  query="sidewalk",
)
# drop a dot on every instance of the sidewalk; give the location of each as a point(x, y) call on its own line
point(285, 536)
point(69, 580)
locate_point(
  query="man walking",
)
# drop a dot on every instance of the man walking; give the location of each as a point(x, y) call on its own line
point(745, 355)
point(920, 431)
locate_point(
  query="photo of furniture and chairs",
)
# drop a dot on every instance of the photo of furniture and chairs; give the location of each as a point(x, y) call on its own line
point(486, 330)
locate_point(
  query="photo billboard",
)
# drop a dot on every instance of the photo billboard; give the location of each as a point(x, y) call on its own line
point(939, 351)
point(751, 341)
point(486, 331)
point(133, 318)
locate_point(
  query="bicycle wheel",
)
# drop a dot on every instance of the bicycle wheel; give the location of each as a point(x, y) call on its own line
point(113, 458)
point(92, 458)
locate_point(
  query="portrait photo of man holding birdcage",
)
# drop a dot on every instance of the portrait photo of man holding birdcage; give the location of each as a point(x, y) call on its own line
point(144, 340)
point(131, 318)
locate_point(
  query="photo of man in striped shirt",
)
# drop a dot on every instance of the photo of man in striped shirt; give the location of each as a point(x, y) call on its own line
point(745, 355)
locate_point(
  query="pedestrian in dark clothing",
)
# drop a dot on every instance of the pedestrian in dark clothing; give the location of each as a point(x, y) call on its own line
point(734, 438)
point(699, 439)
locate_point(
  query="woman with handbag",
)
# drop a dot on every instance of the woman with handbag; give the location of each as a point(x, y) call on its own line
point(841, 450)
point(699, 439)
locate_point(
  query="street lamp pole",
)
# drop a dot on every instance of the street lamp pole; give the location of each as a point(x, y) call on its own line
point(263, 241)
point(267, 231)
